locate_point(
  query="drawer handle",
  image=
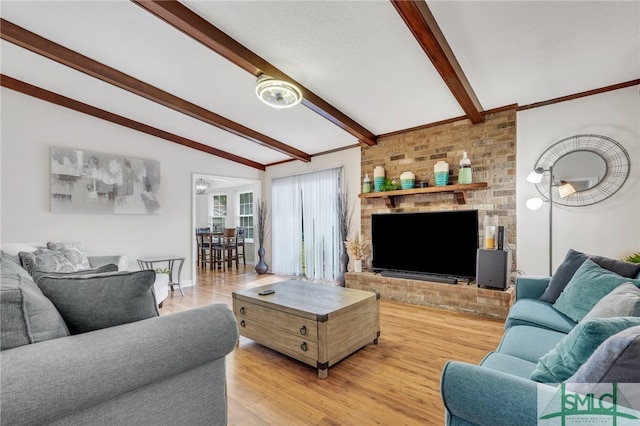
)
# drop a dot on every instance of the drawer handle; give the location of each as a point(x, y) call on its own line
point(243, 324)
point(303, 346)
point(303, 330)
point(242, 310)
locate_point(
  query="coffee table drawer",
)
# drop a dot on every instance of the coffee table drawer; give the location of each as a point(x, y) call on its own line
point(293, 324)
point(297, 347)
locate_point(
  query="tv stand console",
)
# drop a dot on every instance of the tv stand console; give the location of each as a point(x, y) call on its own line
point(421, 277)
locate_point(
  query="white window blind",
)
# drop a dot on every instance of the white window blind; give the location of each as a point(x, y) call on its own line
point(305, 230)
point(245, 214)
point(218, 212)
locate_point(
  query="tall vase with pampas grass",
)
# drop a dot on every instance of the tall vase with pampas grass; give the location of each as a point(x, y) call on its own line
point(344, 215)
point(359, 249)
point(262, 213)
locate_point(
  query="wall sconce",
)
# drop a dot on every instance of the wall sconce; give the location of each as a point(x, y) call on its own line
point(202, 187)
point(564, 190)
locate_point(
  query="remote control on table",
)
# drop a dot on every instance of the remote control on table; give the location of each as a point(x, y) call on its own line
point(265, 292)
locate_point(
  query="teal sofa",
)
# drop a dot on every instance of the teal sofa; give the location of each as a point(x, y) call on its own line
point(505, 387)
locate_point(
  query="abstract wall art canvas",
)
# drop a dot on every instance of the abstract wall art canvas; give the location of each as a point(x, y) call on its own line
point(96, 182)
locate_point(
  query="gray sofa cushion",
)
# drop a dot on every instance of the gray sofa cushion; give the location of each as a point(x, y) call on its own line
point(537, 313)
point(573, 260)
point(94, 301)
point(26, 315)
point(10, 264)
point(516, 342)
point(508, 364)
point(623, 301)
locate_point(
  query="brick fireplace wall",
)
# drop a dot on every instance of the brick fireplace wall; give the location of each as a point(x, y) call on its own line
point(491, 147)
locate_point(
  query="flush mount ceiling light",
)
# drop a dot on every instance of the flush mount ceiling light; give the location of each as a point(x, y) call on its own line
point(277, 93)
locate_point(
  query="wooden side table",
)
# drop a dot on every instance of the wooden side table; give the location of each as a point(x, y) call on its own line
point(148, 263)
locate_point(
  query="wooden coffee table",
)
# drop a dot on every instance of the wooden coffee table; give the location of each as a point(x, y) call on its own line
point(313, 323)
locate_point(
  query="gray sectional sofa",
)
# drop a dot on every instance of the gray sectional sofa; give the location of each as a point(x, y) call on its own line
point(88, 348)
point(580, 327)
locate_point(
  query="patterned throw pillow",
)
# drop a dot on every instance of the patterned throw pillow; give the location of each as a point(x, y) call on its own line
point(46, 261)
point(75, 252)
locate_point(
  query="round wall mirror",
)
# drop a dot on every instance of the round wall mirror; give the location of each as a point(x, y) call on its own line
point(582, 169)
point(595, 166)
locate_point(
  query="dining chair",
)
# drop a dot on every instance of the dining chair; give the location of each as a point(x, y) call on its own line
point(240, 234)
point(202, 245)
point(225, 248)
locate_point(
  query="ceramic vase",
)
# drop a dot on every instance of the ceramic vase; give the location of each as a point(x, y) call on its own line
point(344, 261)
point(261, 266)
point(357, 265)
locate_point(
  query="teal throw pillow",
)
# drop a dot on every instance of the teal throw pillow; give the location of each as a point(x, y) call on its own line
point(615, 360)
point(588, 285)
point(575, 348)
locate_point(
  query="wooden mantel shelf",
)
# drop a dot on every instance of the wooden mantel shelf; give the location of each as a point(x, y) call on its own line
point(459, 191)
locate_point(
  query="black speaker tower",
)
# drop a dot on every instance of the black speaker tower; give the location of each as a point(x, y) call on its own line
point(493, 269)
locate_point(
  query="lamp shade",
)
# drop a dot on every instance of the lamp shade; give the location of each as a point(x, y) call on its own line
point(536, 176)
point(565, 189)
point(534, 203)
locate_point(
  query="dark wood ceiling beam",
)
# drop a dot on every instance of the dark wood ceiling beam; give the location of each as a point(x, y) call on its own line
point(201, 30)
point(420, 20)
point(580, 94)
point(37, 44)
point(57, 99)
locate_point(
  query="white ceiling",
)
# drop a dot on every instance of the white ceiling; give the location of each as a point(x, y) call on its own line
point(357, 55)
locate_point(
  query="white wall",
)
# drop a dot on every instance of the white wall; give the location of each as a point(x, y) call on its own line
point(349, 159)
point(30, 127)
point(610, 228)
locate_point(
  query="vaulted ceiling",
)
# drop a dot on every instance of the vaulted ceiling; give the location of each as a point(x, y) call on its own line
point(186, 71)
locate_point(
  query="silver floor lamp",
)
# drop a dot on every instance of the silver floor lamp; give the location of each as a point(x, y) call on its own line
point(564, 190)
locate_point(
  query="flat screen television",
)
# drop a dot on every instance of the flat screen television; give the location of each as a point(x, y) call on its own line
point(443, 243)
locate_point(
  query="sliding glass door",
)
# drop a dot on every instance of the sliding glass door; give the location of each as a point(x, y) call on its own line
point(305, 227)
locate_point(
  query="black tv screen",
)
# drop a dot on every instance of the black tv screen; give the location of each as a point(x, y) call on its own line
point(434, 243)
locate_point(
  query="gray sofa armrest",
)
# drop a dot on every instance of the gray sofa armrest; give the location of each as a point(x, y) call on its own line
point(530, 287)
point(49, 380)
point(482, 396)
point(120, 260)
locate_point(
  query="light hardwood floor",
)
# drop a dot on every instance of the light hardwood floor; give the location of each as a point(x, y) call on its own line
point(393, 383)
